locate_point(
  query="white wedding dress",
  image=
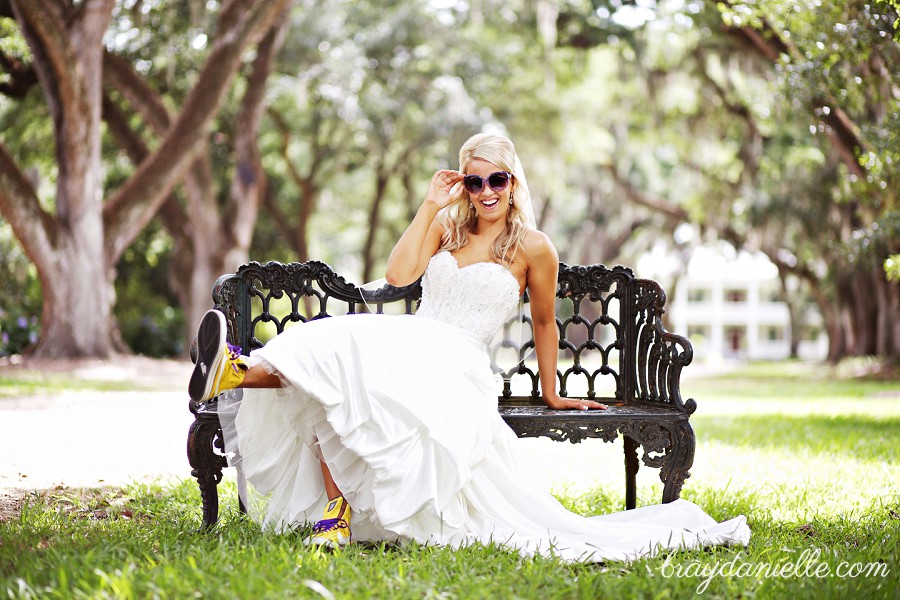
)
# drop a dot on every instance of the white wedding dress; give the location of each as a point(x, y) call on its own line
point(404, 411)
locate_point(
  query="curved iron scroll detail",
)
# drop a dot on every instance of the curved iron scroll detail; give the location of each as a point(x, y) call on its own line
point(659, 354)
point(205, 449)
point(679, 460)
point(590, 280)
point(590, 289)
point(297, 277)
point(314, 283)
point(226, 298)
point(667, 446)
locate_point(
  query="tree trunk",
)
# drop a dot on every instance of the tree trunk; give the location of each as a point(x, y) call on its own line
point(223, 243)
point(864, 308)
point(307, 186)
point(381, 181)
point(887, 313)
point(892, 311)
point(793, 311)
point(309, 198)
point(77, 299)
point(831, 315)
point(75, 250)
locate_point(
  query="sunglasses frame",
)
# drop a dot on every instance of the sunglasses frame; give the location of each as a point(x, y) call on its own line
point(482, 181)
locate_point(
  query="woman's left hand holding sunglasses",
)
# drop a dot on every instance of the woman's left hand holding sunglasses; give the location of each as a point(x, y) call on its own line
point(442, 187)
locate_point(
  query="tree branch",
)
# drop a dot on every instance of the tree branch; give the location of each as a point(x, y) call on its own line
point(35, 229)
point(44, 27)
point(655, 203)
point(121, 131)
point(133, 205)
point(173, 216)
point(769, 43)
point(120, 75)
point(248, 183)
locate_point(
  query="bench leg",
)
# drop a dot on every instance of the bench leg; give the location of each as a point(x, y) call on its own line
point(203, 437)
point(631, 469)
point(679, 460)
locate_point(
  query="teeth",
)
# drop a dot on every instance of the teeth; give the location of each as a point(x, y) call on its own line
point(490, 203)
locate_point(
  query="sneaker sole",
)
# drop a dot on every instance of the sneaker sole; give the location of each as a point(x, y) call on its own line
point(322, 543)
point(211, 338)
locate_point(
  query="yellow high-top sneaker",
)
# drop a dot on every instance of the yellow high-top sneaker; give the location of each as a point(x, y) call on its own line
point(220, 365)
point(333, 531)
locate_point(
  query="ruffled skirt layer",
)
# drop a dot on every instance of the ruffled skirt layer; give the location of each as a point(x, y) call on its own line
point(403, 410)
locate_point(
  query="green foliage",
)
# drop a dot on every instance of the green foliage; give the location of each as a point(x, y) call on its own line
point(623, 111)
point(150, 319)
point(841, 58)
point(892, 267)
point(167, 41)
point(20, 301)
point(12, 44)
point(366, 90)
point(895, 4)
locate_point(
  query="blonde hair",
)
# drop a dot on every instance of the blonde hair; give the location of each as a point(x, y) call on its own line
point(460, 217)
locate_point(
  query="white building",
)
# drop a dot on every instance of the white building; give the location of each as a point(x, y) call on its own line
point(727, 304)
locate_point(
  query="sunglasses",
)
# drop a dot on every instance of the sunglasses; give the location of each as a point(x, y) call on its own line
point(497, 181)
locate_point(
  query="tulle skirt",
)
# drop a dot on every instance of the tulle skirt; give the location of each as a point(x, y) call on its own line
point(403, 410)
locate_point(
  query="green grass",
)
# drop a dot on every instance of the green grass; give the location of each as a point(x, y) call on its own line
point(31, 383)
point(809, 458)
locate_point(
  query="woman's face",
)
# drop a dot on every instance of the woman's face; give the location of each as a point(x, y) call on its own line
point(490, 205)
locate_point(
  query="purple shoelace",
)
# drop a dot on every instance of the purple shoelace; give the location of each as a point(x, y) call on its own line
point(234, 352)
point(327, 524)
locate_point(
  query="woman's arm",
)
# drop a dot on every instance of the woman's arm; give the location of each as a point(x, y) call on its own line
point(542, 274)
point(422, 238)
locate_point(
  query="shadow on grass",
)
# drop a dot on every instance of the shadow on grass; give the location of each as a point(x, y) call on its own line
point(855, 436)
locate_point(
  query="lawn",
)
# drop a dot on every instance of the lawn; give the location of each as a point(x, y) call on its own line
point(808, 454)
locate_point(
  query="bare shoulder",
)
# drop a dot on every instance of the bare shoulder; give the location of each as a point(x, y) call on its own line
point(539, 249)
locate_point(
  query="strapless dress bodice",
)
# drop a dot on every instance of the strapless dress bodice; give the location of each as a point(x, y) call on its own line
point(479, 297)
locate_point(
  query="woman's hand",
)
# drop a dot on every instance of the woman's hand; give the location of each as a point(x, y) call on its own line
point(443, 184)
point(557, 402)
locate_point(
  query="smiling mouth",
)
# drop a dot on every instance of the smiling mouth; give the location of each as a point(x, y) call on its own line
point(490, 203)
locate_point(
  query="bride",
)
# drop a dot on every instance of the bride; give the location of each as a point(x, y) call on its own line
point(396, 416)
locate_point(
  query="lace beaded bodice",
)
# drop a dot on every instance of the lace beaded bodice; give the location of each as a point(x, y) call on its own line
point(479, 297)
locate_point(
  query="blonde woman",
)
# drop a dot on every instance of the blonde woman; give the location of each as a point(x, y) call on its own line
point(396, 416)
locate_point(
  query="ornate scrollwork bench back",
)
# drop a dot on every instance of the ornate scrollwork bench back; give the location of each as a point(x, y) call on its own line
point(613, 348)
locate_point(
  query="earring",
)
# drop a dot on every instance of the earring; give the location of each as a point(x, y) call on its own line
point(510, 197)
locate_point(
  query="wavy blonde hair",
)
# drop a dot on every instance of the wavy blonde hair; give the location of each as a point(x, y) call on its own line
point(460, 217)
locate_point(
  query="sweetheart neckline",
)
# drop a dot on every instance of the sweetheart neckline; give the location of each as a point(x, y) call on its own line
point(484, 262)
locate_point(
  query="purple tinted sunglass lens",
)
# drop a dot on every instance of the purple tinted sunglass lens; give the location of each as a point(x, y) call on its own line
point(473, 183)
point(498, 181)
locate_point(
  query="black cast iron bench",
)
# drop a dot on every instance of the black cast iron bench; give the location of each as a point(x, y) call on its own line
point(613, 349)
